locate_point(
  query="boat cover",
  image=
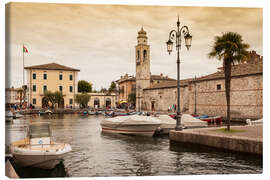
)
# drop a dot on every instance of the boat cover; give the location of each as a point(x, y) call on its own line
point(130, 120)
point(167, 121)
point(188, 121)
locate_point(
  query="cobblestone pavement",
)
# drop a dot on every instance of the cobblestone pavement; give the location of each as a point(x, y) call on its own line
point(251, 132)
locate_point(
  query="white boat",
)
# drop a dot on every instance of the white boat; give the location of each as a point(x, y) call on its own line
point(9, 114)
point(133, 124)
point(167, 124)
point(255, 122)
point(187, 121)
point(38, 149)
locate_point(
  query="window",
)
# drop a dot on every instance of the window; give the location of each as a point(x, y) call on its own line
point(70, 101)
point(34, 101)
point(34, 88)
point(60, 76)
point(70, 88)
point(44, 88)
point(61, 88)
point(34, 76)
point(144, 55)
point(70, 77)
point(44, 76)
point(138, 56)
point(218, 86)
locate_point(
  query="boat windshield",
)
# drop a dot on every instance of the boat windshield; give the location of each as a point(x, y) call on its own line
point(39, 130)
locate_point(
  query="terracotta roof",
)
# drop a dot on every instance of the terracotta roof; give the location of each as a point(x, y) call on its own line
point(237, 70)
point(168, 84)
point(161, 77)
point(52, 66)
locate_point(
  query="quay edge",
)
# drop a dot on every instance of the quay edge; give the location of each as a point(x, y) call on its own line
point(238, 143)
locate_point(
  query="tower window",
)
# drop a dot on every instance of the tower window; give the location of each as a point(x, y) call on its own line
point(138, 56)
point(144, 55)
point(218, 86)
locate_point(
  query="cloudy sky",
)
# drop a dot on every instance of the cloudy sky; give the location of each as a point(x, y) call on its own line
point(100, 39)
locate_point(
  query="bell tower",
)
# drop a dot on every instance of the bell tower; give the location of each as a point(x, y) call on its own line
point(142, 50)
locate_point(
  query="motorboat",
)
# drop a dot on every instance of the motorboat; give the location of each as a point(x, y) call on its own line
point(254, 122)
point(14, 114)
point(132, 124)
point(38, 149)
point(167, 123)
point(187, 121)
point(210, 119)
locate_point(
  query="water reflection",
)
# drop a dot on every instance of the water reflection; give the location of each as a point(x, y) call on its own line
point(102, 154)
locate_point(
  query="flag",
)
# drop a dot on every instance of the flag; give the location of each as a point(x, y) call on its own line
point(25, 49)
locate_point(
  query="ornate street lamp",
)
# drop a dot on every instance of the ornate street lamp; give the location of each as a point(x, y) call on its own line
point(175, 35)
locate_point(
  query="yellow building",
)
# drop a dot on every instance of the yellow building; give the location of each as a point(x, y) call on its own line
point(52, 77)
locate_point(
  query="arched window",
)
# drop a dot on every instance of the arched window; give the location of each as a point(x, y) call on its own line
point(138, 55)
point(144, 55)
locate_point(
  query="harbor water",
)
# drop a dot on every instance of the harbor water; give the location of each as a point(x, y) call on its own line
point(97, 154)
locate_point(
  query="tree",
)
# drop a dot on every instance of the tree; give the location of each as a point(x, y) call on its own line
point(103, 90)
point(112, 88)
point(82, 99)
point(84, 86)
point(132, 98)
point(230, 49)
point(58, 98)
point(54, 97)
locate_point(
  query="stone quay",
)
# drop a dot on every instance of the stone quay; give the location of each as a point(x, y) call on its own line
point(246, 139)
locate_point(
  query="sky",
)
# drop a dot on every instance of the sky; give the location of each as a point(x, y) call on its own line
point(100, 40)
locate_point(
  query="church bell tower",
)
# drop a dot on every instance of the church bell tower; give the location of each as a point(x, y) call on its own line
point(142, 50)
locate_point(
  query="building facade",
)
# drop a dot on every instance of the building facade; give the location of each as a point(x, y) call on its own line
point(102, 100)
point(51, 77)
point(206, 95)
point(125, 85)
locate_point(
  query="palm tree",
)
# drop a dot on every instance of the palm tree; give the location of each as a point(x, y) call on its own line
point(230, 48)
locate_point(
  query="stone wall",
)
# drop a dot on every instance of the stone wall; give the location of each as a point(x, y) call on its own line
point(165, 97)
point(246, 97)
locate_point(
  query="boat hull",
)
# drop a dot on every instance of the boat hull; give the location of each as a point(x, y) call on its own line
point(139, 130)
point(44, 158)
point(39, 161)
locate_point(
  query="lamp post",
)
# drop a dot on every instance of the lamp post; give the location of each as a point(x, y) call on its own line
point(176, 35)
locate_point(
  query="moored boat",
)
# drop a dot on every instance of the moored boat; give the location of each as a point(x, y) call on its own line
point(38, 149)
point(133, 124)
point(211, 119)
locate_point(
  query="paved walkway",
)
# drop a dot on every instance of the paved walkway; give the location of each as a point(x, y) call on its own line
point(250, 132)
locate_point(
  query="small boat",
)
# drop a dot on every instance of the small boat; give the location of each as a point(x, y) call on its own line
point(38, 149)
point(91, 112)
point(9, 114)
point(14, 115)
point(255, 122)
point(187, 121)
point(210, 119)
point(45, 112)
point(133, 124)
